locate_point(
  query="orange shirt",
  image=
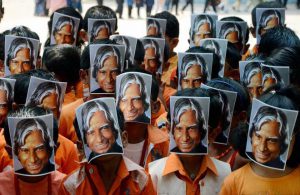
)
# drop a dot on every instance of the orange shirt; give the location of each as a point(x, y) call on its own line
point(66, 157)
point(192, 187)
point(7, 184)
point(169, 67)
point(169, 176)
point(130, 179)
point(6, 162)
point(246, 181)
point(67, 116)
point(73, 95)
point(158, 144)
point(168, 92)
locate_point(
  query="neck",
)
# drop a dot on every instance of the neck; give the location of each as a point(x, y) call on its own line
point(108, 167)
point(191, 164)
point(31, 179)
point(137, 132)
point(270, 173)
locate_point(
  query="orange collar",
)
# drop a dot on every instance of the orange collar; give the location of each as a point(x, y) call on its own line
point(174, 164)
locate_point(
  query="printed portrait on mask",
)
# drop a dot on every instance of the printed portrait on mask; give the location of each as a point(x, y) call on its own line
point(274, 75)
point(133, 96)
point(100, 28)
point(221, 102)
point(106, 64)
point(64, 29)
point(99, 127)
point(33, 146)
point(219, 47)
point(234, 32)
point(156, 27)
point(269, 135)
point(193, 69)
point(154, 55)
point(130, 47)
point(20, 54)
point(251, 77)
point(189, 127)
point(6, 97)
point(203, 26)
point(46, 94)
point(268, 18)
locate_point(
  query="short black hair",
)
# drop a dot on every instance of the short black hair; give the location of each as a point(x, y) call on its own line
point(277, 37)
point(64, 61)
point(172, 27)
point(287, 56)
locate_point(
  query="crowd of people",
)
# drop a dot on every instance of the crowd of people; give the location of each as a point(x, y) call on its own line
point(102, 113)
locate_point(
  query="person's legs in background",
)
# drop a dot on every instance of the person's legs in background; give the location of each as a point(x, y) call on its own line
point(100, 2)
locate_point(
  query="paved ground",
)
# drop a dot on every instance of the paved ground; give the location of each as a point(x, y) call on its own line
point(20, 12)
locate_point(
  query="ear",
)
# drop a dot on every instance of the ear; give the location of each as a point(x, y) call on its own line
point(124, 136)
point(246, 48)
point(252, 31)
point(155, 106)
point(243, 116)
point(15, 106)
point(83, 76)
point(83, 35)
point(174, 42)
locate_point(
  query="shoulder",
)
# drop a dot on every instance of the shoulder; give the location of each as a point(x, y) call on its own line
point(223, 168)
point(72, 181)
point(57, 177)
point(137, 173)
point(157, 166)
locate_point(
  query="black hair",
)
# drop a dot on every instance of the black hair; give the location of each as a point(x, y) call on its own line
point(287, 56)
point(277, 37)
point(24, 31)
point(99, 12)
point(233, 56)
point(216, 66)
point(172, 27)
point(64, 61)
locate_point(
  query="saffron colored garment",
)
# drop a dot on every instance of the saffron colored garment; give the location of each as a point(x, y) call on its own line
point(67, 116)
point(130, 179)
point(7, 184)
point(66, 157)
point(246, 181)
point(169, 176)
